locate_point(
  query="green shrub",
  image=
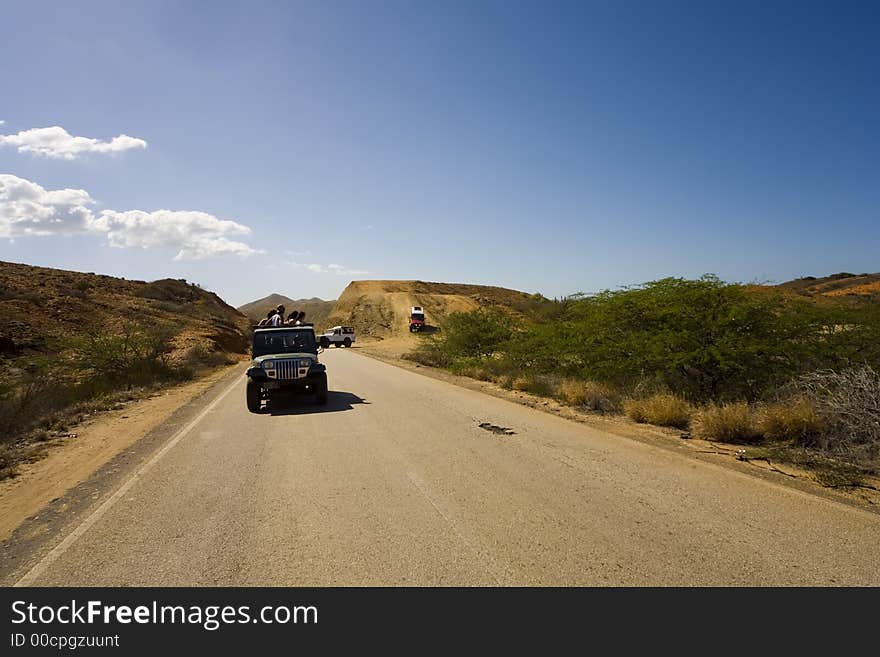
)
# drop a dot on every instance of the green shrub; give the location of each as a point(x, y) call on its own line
point(703, 339)
point(135, 355)
point(101, 364)
point(480, 333)
point(430, 353)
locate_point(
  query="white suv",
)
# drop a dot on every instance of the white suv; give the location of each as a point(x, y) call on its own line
point(339, 336)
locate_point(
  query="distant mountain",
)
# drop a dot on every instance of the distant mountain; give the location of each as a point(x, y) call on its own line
point(316, 309)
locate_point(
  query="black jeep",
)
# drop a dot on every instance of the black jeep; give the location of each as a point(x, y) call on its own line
point(285, 358)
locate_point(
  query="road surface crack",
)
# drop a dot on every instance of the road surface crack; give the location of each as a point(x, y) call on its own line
point(494, 428)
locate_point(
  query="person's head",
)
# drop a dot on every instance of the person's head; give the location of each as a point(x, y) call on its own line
point(292, 316)
point(280, 309)
point(302, 315)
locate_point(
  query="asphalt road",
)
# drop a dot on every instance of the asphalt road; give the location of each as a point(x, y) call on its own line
point(395, 483)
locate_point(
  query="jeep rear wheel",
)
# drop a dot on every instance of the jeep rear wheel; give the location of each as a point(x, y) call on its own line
point(321, 390)
point(253, 396)
point(347, 342)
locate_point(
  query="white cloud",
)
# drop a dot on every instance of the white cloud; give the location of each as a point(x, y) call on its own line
point(56, 142)
point(196, 235)
point(330, 269)
point(28, 209)
point(2, 122)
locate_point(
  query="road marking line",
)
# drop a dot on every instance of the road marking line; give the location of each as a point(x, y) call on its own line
point(489, 564)
point(41, 566)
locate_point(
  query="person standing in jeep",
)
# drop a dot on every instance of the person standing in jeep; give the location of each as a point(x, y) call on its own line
point(278, 318)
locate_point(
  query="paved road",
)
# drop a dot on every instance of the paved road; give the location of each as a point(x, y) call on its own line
point(394, 483)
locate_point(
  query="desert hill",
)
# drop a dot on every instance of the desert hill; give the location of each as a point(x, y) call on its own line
point(844, 284)
point(380, 309)
point(43, 310)
point(316, 309)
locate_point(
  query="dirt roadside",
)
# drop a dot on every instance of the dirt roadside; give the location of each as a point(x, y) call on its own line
point(93, 443)
point(730, 455)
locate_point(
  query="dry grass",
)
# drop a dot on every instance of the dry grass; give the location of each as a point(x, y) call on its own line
point(589, 394)
point(482, 374)
point(662, 409)
point(541, 385)
point(730, 423)
point(521, 383)
point(796, 420)
point(8, 461)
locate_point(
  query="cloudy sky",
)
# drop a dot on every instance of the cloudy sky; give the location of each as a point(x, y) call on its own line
point(555, 147)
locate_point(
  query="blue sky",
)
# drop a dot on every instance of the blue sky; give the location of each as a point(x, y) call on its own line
point(552, 147)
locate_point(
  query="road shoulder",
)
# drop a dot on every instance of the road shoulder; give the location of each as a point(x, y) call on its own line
point(49, 495)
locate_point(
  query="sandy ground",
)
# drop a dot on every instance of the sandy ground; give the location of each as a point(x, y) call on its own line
point(72, 460)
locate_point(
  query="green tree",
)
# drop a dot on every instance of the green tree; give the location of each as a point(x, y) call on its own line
point(703, 338)
point(480, 333)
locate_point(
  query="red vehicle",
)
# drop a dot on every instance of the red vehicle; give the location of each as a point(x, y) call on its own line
point(416, 319)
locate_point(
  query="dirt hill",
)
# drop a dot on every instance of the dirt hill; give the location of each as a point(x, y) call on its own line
point(844, 284)
point(43, 310)
point(316, 309)
point(380, 309)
